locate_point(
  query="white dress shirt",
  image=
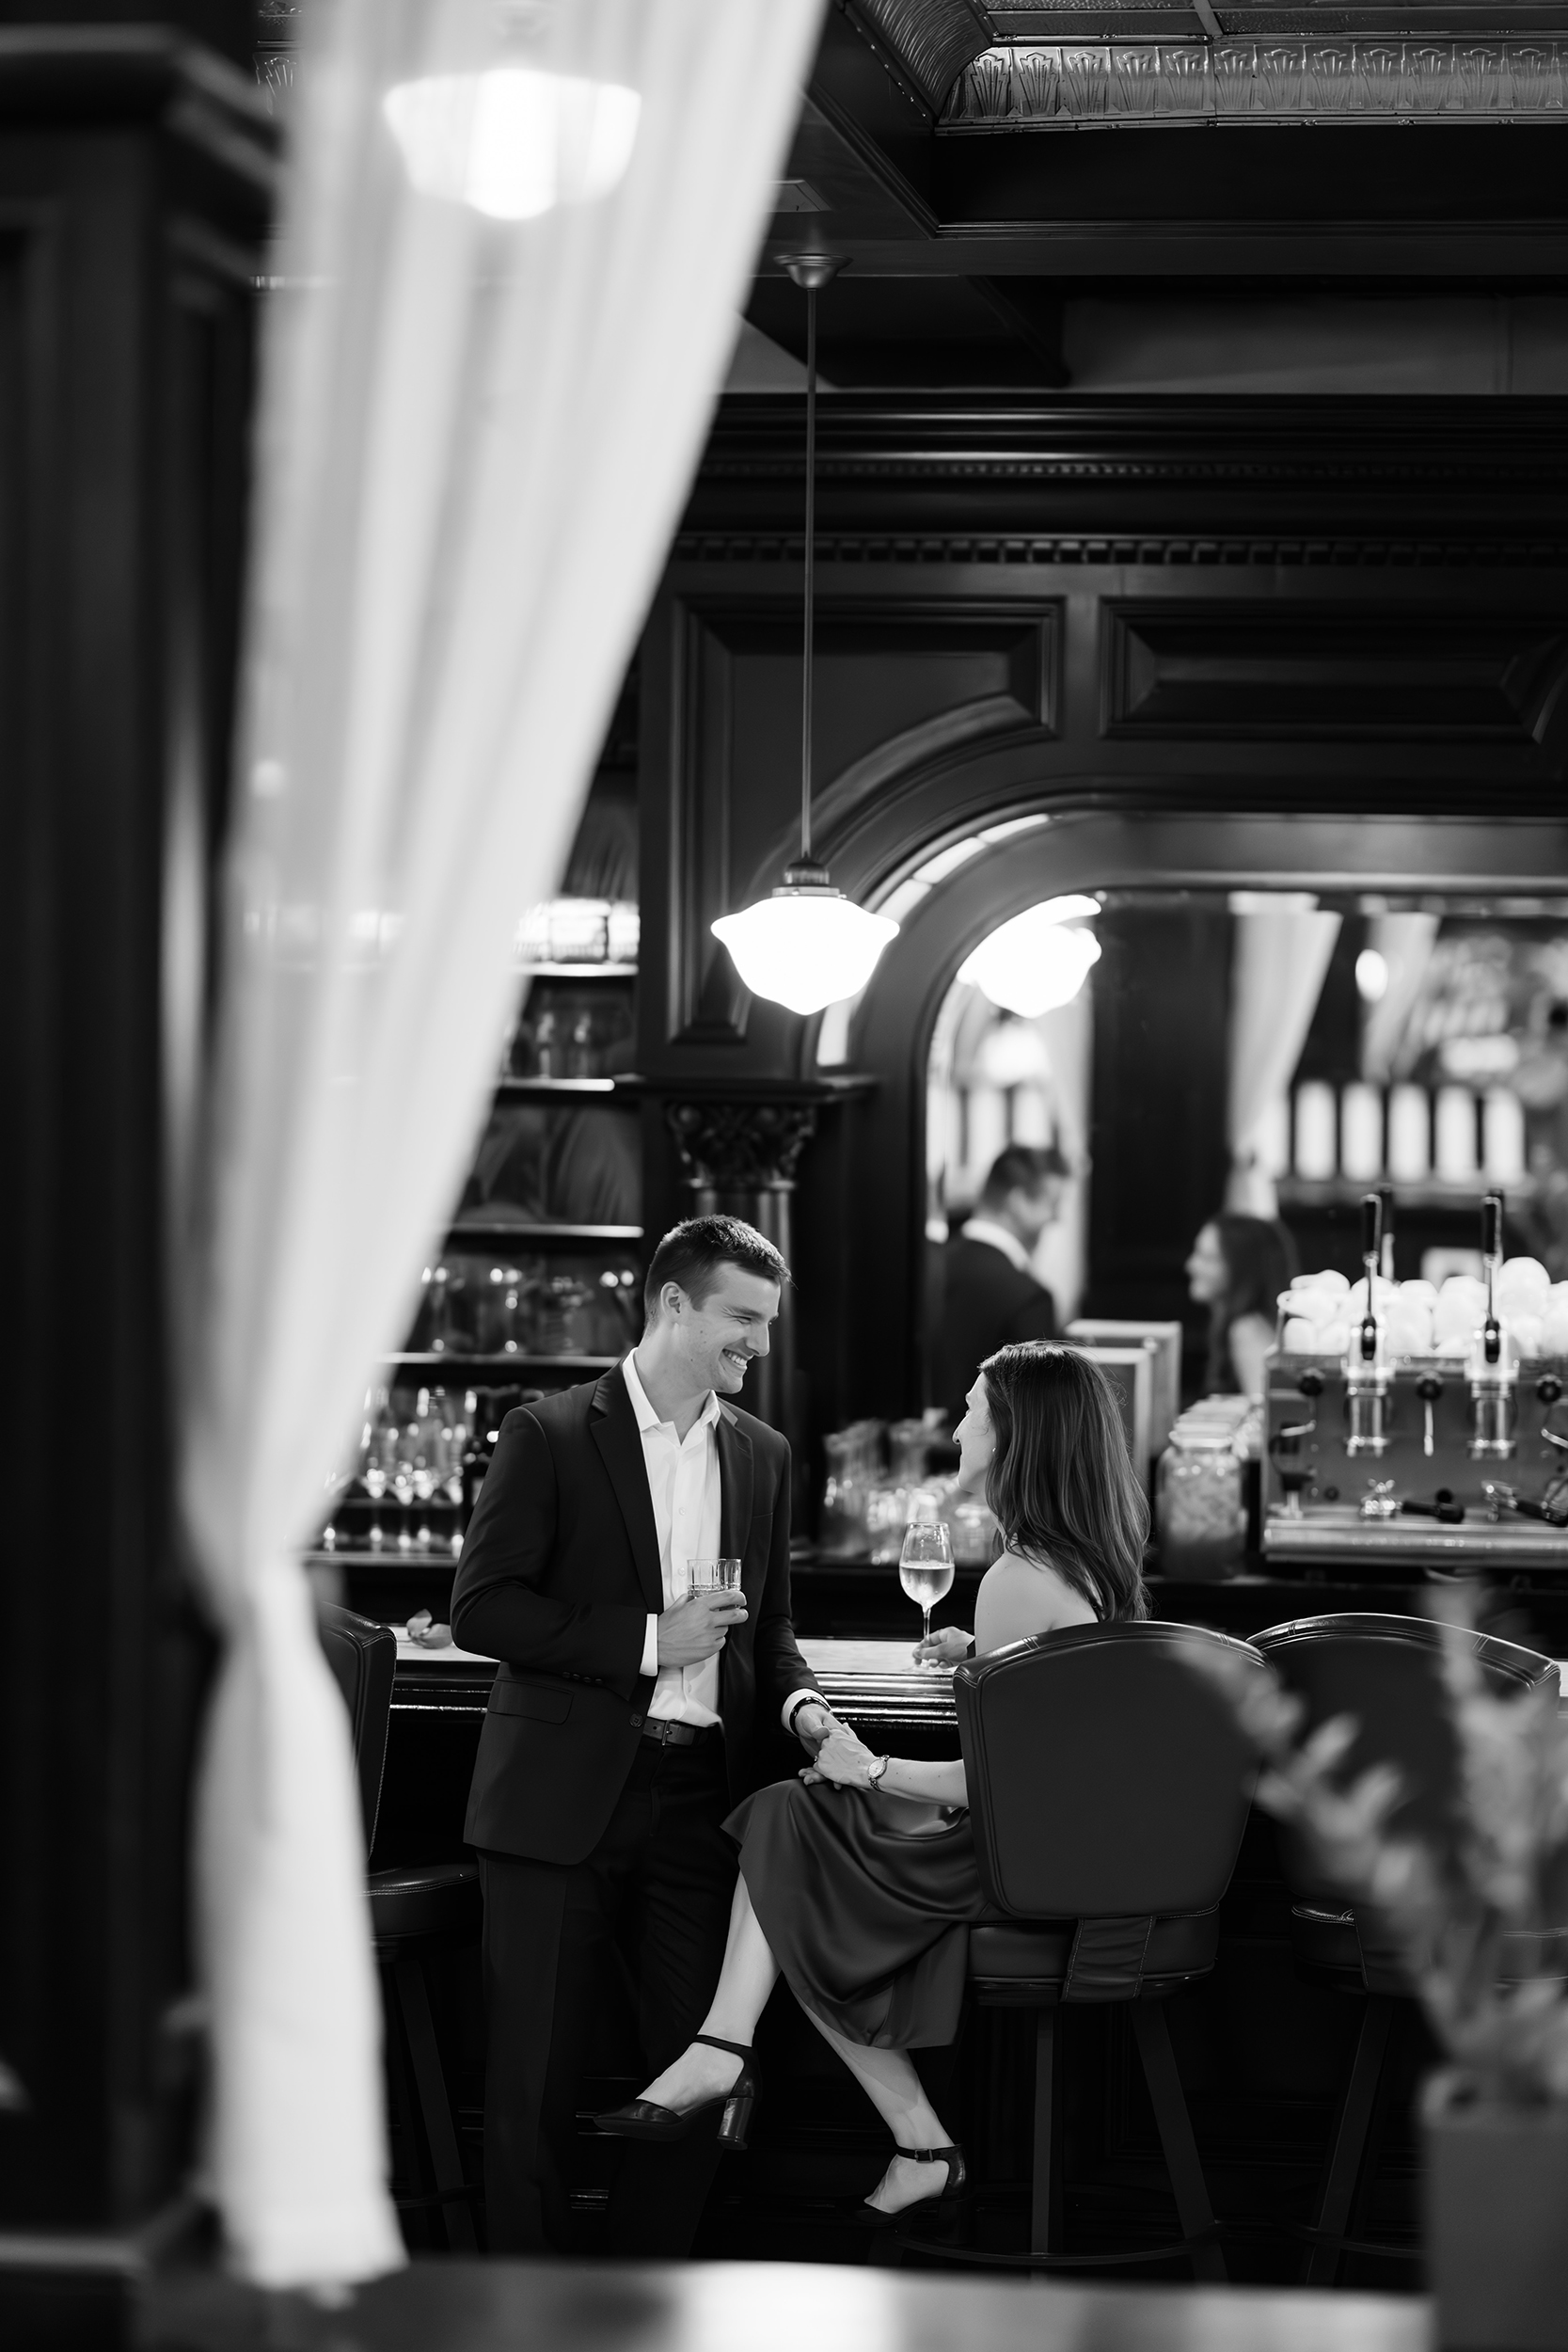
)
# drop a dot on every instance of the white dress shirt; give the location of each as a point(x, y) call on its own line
point(683, 1481)
point(685, 1488)
point(982, 1229)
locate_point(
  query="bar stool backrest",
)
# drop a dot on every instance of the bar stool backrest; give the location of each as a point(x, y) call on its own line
point(1387, 1672)
point(363, 1656)
point(1107, 1775)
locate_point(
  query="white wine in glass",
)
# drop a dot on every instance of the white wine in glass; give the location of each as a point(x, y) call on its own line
point(925, 1568)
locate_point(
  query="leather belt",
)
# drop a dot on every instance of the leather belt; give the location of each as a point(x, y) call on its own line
point(673, 1734)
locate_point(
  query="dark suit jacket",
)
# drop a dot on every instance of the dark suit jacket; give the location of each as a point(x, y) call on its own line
point(987, 1303)
point(559, 1570)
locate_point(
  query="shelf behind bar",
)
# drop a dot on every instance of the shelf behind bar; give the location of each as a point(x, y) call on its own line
point(1430, 1192)
point(547, 1089)
point(576, 972)
point(536, 1236)
point(485, 1368)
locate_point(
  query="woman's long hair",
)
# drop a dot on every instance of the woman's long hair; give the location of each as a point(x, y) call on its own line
point(1259, 1262)
point(1061, 1482)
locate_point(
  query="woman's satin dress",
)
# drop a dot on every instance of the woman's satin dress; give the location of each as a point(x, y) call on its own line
point(866, 1901)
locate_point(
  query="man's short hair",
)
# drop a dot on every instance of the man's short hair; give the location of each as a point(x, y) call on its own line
point(693, 1255)
point(1022, 1167)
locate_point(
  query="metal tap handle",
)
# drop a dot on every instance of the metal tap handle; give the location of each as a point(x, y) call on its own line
point(1371, 1250)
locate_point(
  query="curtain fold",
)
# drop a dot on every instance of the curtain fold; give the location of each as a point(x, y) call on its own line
point(516, 239)
point(1282, 953)
point(1405, 943)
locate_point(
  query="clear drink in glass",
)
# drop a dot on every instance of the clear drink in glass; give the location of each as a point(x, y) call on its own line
point(925, 1568)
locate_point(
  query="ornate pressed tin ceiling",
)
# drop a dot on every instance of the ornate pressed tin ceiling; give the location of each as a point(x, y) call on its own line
point(1081, 84)
point(1037, 65)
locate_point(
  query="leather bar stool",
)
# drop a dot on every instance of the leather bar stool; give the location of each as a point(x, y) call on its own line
point(1109, 1786)
point(413, 1913)
point(1386, 1672)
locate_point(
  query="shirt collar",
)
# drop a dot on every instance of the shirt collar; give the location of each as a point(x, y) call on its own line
point(646, 1416)
point(998, 1238)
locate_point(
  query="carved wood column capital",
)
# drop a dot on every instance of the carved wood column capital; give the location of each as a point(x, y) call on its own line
point(730, 1147)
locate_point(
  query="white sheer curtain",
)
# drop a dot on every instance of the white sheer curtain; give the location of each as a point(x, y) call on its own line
point(516, 288)
point(1405, 943)
point(1282, 949)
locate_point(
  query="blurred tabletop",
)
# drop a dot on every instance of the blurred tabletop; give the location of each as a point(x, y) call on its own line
point(473, 2306)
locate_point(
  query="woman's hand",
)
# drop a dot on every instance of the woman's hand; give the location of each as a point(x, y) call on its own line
point(842, 1759)
point(946, 1647)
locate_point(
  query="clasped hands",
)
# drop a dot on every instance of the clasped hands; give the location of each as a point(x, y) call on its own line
point(843, 1759)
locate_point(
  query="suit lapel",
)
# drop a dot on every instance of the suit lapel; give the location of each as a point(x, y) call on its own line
point(734, 1487)
point(620, 1443)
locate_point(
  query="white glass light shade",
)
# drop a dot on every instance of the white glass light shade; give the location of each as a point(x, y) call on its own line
point(1036, 961)
point(805, 947)
point(513, 142)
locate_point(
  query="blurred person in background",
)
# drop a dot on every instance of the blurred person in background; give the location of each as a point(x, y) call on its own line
point(988, 1294)
point(1238, 1267)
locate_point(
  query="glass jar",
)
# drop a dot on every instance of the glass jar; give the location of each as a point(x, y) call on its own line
point(1199, 1506)
point(844, 1496)
point(974, 1532)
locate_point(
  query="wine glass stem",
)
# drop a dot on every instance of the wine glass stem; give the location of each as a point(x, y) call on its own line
point(925, 1612)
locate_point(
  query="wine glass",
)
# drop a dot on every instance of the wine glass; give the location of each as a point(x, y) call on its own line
point(926, 1570)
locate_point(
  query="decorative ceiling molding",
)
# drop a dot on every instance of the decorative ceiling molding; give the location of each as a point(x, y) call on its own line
point(1093, 84)
point(932, 40)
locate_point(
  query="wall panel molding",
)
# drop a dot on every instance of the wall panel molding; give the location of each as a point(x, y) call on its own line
point(1296, 673)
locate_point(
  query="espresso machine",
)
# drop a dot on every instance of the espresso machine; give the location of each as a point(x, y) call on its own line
point(1446, 1456)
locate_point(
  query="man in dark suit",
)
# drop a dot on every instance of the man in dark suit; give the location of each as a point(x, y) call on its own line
point(625, 1720)
point(990, 1294)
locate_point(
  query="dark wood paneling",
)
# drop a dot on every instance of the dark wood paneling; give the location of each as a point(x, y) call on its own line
point(1298, 673)
point(897, 691)
point(1162, 1010)
point(128, 231)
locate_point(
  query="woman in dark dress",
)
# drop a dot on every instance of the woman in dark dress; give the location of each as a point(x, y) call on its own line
point(858, 1881)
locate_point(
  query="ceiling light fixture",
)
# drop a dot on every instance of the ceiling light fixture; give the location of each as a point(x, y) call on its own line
point(513, 142)
point(806, 944)
point(1037, 962)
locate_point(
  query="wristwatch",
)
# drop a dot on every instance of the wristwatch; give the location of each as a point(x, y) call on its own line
point(878, 1773)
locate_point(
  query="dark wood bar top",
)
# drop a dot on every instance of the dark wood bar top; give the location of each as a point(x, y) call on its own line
point(466, 2306)
point(872, 1681)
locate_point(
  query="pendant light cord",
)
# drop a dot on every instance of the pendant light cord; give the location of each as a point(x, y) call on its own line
point(811, 574)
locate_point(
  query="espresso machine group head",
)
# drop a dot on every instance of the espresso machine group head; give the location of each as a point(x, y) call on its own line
point(1492, 1377)
point(1367, 1373)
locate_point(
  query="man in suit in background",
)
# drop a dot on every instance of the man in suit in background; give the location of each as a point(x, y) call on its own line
point(624, 1722)
point(990, 1294)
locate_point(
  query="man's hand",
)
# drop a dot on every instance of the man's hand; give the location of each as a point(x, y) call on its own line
point(812, 1723)
point(844, 1759)
point(692, 1631)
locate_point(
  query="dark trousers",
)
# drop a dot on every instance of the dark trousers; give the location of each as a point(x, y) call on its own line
point(653, 1896)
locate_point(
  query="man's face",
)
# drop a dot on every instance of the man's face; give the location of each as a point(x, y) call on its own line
point(717, 1340)
point(1032, 1212)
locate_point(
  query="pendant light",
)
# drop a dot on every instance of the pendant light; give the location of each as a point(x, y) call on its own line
point(806, 944)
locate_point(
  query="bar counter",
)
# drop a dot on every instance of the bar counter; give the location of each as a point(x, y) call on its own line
point(1265, 2055)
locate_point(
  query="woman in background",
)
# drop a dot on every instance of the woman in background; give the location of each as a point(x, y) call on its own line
point(859, 1880)
point(1238, 1268)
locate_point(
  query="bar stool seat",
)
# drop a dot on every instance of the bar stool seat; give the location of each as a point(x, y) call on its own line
point(431, 1898)
point(414, 1912)
point(1108, 1784)
point(1384, 1672)
point(1327, 1945)
point(1016, 1966)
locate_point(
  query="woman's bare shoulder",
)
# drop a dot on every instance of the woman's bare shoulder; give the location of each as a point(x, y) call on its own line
point(1017, 1599)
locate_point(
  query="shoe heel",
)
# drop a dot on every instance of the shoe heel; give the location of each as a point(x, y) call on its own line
point(735, 2121)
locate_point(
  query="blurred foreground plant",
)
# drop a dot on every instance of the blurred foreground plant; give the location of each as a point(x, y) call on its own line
point(1504, 1874)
